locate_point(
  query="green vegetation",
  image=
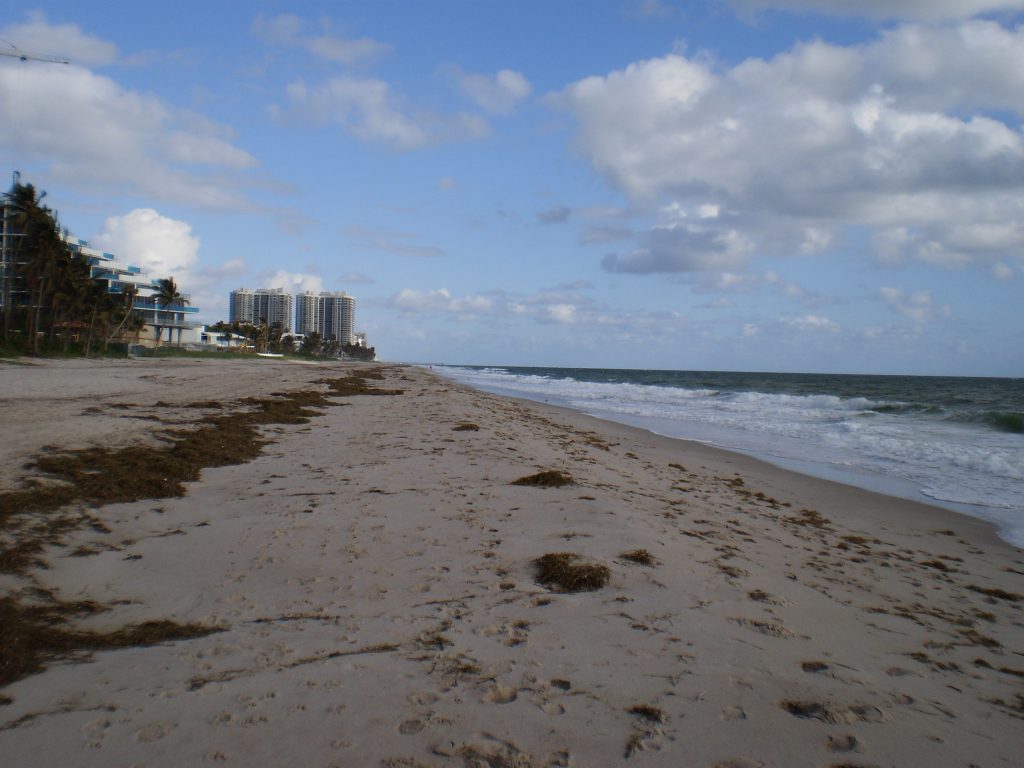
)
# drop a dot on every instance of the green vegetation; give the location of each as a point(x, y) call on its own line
point(50, 302)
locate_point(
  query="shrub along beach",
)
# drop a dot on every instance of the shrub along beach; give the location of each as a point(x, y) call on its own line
point(362, 565)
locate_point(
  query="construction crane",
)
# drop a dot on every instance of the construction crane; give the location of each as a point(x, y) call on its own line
point(16, 53)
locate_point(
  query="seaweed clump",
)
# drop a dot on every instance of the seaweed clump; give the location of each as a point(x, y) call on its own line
point(639, 556)
point(551, 478)
point(32, 635)
point(563, 571)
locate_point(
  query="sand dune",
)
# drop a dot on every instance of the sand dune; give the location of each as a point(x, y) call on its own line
point(372, 572)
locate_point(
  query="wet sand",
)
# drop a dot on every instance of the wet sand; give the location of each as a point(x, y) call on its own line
point(373, 574)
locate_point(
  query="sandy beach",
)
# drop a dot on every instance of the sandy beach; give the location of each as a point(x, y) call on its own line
point(371, 579)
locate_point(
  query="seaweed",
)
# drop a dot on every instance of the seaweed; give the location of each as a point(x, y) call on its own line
point(33, 635)
point(551, 478)
point(564, 572)
point(639, 556)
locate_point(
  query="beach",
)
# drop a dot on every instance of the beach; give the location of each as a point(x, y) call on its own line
point(361, 588)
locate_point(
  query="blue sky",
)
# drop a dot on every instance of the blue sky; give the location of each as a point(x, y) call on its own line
point(792, 185)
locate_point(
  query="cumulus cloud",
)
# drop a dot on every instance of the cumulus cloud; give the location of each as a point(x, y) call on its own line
point(917, 306)
point(887, 9)
point(908, 136)
point(499, 94)
point(562, 313)
point(370, 110)
point(86, 129)
point(321, 41)
point(65, 41)
point(292, 282)
point(162, 246)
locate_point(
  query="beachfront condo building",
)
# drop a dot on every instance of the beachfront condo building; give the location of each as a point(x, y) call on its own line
point(264, 306)
point(170, 324)
point(153, 322)
point(332, 315)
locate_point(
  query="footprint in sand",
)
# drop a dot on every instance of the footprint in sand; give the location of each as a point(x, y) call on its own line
point(423, 698)
point(842, 744)
point(733, 712)
point(411, 726)
point(501, 694)
point(94, 731)
point(153, 732)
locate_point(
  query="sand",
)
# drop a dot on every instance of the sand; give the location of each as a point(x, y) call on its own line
point(372, 572)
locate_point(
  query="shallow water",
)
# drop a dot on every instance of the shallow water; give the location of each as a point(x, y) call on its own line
point(956, 442)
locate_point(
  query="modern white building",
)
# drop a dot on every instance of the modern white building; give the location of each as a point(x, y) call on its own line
point(163, 324)
point(262, 306)
point(332, 315)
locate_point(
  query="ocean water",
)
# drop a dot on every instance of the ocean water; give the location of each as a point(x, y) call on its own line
point(954, 442)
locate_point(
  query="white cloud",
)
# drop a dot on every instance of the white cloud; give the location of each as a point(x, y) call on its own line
point(683, 248)
point(370, 110)
point(909, 136)
point(917, 306)
point(811, 323)
point(88, 131)
point(289, 29)
point(162, 246)
point(499, 93)
point(292, 282)
point(562, 313)
point(37, 36)
point(888, 9)
point(440, 300)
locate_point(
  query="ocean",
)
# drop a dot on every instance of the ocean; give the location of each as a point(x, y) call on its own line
point(950, 441)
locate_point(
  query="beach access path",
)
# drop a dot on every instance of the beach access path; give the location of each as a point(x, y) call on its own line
point(371, 574)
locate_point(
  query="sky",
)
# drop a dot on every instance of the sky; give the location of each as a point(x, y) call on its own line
point(762, 185)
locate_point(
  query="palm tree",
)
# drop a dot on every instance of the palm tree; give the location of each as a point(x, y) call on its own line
point(167, 295)
point(37, 256)
point(128, 296)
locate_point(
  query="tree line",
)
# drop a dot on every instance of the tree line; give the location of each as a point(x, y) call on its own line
point(271, 337)
point(50, 300)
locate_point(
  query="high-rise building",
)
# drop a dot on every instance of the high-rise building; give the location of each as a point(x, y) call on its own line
point(307, 312)
point(262, 306)
point(332, 315)
point(240, 306)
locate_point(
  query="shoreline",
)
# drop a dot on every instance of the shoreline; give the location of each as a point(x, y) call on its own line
point(921, 509)
point(1009, 529)
point(372, 576)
